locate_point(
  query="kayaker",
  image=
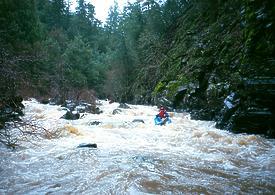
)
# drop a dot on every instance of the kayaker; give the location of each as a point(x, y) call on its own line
point(162, 113)
point(162, 117)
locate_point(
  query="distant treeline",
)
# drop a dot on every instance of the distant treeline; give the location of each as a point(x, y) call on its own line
point(49, 51)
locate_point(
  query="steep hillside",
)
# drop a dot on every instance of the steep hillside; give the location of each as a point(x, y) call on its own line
point(220, 65)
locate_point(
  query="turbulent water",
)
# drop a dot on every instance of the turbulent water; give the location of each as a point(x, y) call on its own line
point(183, 157)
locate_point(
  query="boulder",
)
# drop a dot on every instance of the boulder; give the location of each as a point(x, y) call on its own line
point(98, 111)
point(138, 121)
point(83, 107)
point(95, 123)
point(87, 145)
point(69, 104)
point(124, 106)
point(164, 102)
point(117, 111)
point(71, 115)
point(253, 111)
point(259, 122)
point(45, 101)
point(178, 99)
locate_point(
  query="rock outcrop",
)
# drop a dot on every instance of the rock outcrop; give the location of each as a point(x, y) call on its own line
point(255, 112)
point(221, 66)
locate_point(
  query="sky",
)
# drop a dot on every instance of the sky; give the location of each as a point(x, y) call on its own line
point(102, 6)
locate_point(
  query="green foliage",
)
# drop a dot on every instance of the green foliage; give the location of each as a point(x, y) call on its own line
point(84, 23)
point(258, 23)
point(112, 23)
point(77, 54)
point(19, 22)
point(76, 79)
point(54, 49)
point(149, 49)
point(172, 88)
point(159, 88)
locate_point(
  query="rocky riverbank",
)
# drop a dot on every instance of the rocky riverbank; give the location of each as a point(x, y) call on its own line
point(221, 66)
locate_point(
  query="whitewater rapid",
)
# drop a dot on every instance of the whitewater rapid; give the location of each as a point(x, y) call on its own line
point(184, 157)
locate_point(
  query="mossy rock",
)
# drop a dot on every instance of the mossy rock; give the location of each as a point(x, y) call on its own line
point(159, 88)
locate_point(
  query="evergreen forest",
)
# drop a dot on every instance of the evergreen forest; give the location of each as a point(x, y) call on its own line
point(214, 59)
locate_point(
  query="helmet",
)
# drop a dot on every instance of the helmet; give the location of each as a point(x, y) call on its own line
point(161, 108)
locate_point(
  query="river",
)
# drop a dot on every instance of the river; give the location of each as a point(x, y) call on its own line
point(184, 157)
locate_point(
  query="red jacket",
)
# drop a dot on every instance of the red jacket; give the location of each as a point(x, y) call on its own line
point(162, 114)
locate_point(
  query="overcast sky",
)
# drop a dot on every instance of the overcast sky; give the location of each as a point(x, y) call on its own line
point(102, 6)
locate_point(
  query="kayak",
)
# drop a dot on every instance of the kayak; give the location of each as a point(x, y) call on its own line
point(160, 121)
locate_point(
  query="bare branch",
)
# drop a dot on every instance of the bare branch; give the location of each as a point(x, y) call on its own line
point(25, 131)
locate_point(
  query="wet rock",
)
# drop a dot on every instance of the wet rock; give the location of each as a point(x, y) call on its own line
point(56, 101)
point(223, 120)
point(87, 145)
point(58, 185)
point(138, 121)
point(253, 111)
point(231, 101)
point(117, 111)
point(144, 99)
point(178, 100)
point(250, 108)
point(71, 115)
point(186, 97)
point(45, 101)
point(98, 111)
point(164, 102)
point(252, 122)
point(69, 104)
point(124, 106)
point(202, 114)
point(95, 123)
point(83, 107)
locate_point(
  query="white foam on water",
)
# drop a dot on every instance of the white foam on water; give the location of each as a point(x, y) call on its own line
point(136, 158)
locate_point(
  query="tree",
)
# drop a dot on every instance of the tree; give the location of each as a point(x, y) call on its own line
point(84, 22)
point(19, 22)
point(112, 22)
point(54, 14)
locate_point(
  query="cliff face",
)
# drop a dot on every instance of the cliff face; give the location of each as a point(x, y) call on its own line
point(221, 65)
